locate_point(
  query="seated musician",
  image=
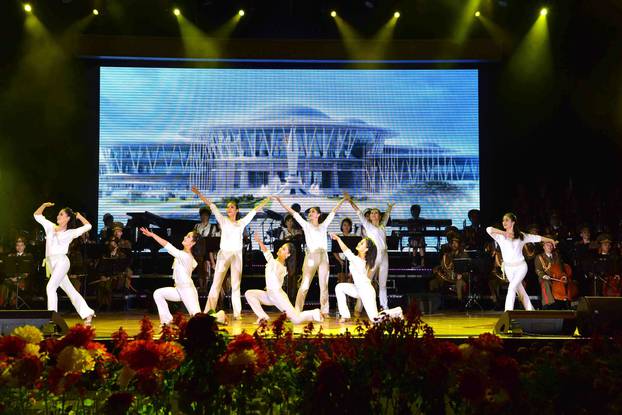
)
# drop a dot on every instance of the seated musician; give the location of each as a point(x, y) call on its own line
point(106, 232)
point(107, 284)
point(416, 242)
point(544, 263)
point(342, 275)
point(289, 230)
point(584, 250)
point(117, 235)
point(362, 231)
point(605, 269)
point(497, 278)
point(207, 260)
point(7, 289)
point(444, 274)
point(474, 234)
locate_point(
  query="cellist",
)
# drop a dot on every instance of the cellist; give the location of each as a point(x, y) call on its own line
point(549, 266)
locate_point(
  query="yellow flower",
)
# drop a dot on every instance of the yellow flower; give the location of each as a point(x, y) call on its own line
point(243, 358)
point(73, 359)
point(32, 349)
point(29, 333)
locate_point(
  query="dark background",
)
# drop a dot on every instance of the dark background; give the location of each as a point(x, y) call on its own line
point(536, 137)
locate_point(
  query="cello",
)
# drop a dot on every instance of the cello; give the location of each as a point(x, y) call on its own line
point(563, 286)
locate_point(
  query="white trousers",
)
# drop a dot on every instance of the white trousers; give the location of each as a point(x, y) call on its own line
point(367, 294)
point(382, 269)
point(316, 261)
point(279, 299)
point(227, 260)
point(59, 266)
point(187, 294)
point(515, 275)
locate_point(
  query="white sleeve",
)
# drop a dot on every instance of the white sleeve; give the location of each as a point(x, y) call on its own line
point(366, 224)
point(529, 238)
point(328, 219)
point(494, 236)
point(249, 217)
point(47, 225)
point(79, 231)
point(216, 212)
point(172, 250)
point(348, 253)
point(268, 255)
point(300, 220)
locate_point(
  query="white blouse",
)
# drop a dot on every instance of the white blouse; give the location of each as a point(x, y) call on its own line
point(316, 237)
point(232, 233)
point(57, 243)
point(183, 265)
point(275, 272)
point(378, 234)
point(358, 269)
point(512, 249)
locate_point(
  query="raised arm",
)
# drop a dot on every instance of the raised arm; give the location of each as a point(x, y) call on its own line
point(347, 197)
point(41, 208)
point(338, 205)
point(201, 196)
point(387, 214)
point(86, 226)
point(287, 208)
point(262, 246)
point(150, 234)
point(335, 237)
point(262, 203)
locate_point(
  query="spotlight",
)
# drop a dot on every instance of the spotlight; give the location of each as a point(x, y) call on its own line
point(477, 14)
point(396, 15)
point(27, 8)
point(95, 12)
point(544, 11)
point(333, 14)
point(241, 12)
point(176, 11)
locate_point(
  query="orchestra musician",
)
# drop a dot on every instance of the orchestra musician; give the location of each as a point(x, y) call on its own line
point(545, 264)
point(605, 269)
point(584, 251)
point(206, 259)
point(417, 243)
point(343, 275)
point(8, 292)
point(444, 273)
point(497, 277)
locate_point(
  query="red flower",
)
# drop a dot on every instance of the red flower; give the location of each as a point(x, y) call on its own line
point(146, 329)
point(141, 355)
point(119, 403)
point(60, 382)
point(167, 333)
point(472, 385)
point(78, 336)
point(171, 356)
point(11, 346)
point(27, 370)
point(180, 321)
point(278, 326)
point(506, 371)
point(448, 352)
point(120, 338)
point(488, 342)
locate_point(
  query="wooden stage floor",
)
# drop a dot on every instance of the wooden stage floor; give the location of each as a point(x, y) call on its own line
point(453, 325)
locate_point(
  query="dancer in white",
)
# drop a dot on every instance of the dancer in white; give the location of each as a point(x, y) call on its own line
point(375, 228)
point(511, 241)
point(230, 253)
point(316, 256)
point(57, 240)
point(276, 270)
point(360, 267)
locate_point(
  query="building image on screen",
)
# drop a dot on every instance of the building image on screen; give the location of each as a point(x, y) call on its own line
point(404, 136)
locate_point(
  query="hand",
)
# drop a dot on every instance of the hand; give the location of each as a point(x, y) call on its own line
point(256, 237)
point(146, 232)
point(546, 277)
point(79, 216)
point(334, 236)
point(48, 204)
point(459, 276)
point(390, 205)
point(347, 196)
point(277, 198)
point(195, 191)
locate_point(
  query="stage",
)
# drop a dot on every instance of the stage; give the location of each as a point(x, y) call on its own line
point(450, 325)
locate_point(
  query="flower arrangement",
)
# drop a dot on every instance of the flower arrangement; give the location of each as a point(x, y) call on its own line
point(393, 366)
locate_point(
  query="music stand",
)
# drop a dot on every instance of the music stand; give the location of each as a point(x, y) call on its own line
point(464, 266)
point(18, 267)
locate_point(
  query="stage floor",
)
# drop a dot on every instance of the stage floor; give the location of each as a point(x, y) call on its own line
point(454, 325)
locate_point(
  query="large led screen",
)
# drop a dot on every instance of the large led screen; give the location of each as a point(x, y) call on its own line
point(408, 136)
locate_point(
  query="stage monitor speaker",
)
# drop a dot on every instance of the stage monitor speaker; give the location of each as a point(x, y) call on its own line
point(549, 322)
point(49, 322)
point(601, 315)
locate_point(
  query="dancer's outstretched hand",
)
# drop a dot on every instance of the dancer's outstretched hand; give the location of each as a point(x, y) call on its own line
point(146, 232)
